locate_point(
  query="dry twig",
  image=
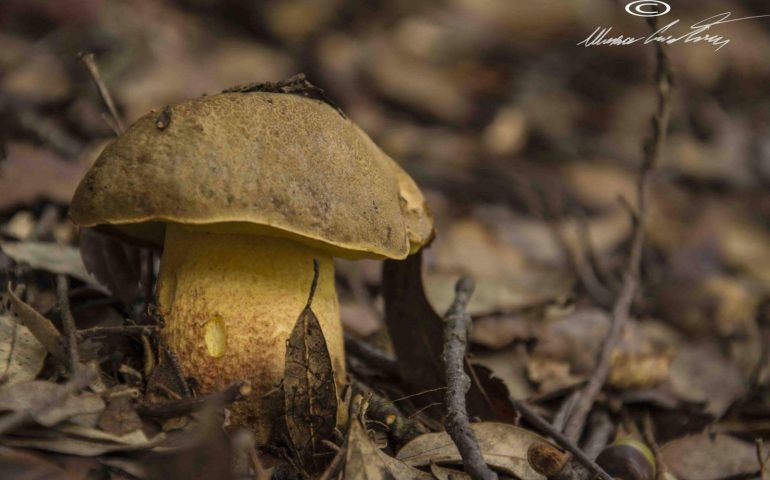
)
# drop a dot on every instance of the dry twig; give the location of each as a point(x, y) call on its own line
point(90, 63)
point(372, 356)
point(545, 428)
point(68, 323)
point(236, 391)
point(622, 308)
point(457, 322)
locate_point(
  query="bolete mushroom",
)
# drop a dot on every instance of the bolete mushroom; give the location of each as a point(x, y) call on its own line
point(243, 191)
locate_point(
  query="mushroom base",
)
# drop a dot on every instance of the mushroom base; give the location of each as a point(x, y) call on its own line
point(230, 303)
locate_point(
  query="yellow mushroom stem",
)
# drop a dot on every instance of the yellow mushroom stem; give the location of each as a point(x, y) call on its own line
point(230, 302)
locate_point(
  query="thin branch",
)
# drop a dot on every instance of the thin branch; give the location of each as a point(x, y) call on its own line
point(457, 322)
point(648, 432)
point(90, 63)
point(622, 309)
point(68, 323)
point(236, 391)
point(545, 428)
point(372, 356)
point(118, 330)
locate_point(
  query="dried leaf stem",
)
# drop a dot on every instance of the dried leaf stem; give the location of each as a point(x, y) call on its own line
point(234, 392)
point(457, 322)
point(621, 310)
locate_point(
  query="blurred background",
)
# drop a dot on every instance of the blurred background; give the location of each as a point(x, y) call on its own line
point(522, 141)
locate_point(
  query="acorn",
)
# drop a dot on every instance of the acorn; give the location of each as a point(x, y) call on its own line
point(628, 459)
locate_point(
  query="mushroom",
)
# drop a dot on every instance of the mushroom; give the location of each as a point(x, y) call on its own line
point(243, 191)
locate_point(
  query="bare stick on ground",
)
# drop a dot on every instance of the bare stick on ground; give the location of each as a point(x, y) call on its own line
point(372, 356)
point(90, 63)
point(68, 323)
point(622, 308)
point(457, 322)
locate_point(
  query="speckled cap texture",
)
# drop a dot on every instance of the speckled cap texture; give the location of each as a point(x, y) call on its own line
point(256, 163)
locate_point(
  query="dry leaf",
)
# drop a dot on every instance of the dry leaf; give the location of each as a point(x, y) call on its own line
point(115, 264)
point(42, 328)
point(443, 473)
point(83, 441)
point(50, 257)
point(21, 355)
point(707, 457)
point(504, 448)
point(21, 396)
point(310, 393)
point(414, 327)
point(367, 462)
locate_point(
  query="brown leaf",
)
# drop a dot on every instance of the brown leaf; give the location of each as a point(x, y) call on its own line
point(367, 462)
point(504, 448)
point(50, 257)
point(115, 264)
point(120, 418)
point(414, 327)
point(83, 441)
point(310, 393)
point(21, 396)
point(21, 355)
point(444, 473)
point(22, 465)
point(707, 457)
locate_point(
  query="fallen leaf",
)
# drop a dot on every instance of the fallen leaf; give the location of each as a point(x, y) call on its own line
point(21, 355)
point(50, 257)
point(310, 393)
point(42, 328)
point(82, 441)
point(699, 373)
point(120, 418)
point(20, 464)
point(20, 396)
point(504, 448)
point(710, 457)
point(367, 462)
point(115, 264)
point(414, 327)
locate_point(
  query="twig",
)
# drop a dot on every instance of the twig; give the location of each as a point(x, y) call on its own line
point(68, 323)
point(457, 322)
point(118, 330)
point(236, 391)
point(104, 93)
point(648, 433)
point(336, 464)
point(601, 431)
point(564, 411)
point(622, 308)
point(372, 356)
point(84, 377)
point(545, 428)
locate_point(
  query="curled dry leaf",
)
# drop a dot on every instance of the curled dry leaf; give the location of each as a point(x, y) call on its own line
point(310, 394)
point(709, 457)
point(50, 257)
point(504, 448)
point(21, 355)
point(21, 396)
point(367, 462)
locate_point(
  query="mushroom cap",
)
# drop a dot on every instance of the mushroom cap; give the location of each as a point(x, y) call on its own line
point(255, 163)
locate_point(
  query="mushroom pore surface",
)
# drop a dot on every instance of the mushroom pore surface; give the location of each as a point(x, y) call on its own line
point(230, 303)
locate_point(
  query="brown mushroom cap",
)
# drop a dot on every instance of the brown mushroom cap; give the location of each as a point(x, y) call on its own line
point(256, 163)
